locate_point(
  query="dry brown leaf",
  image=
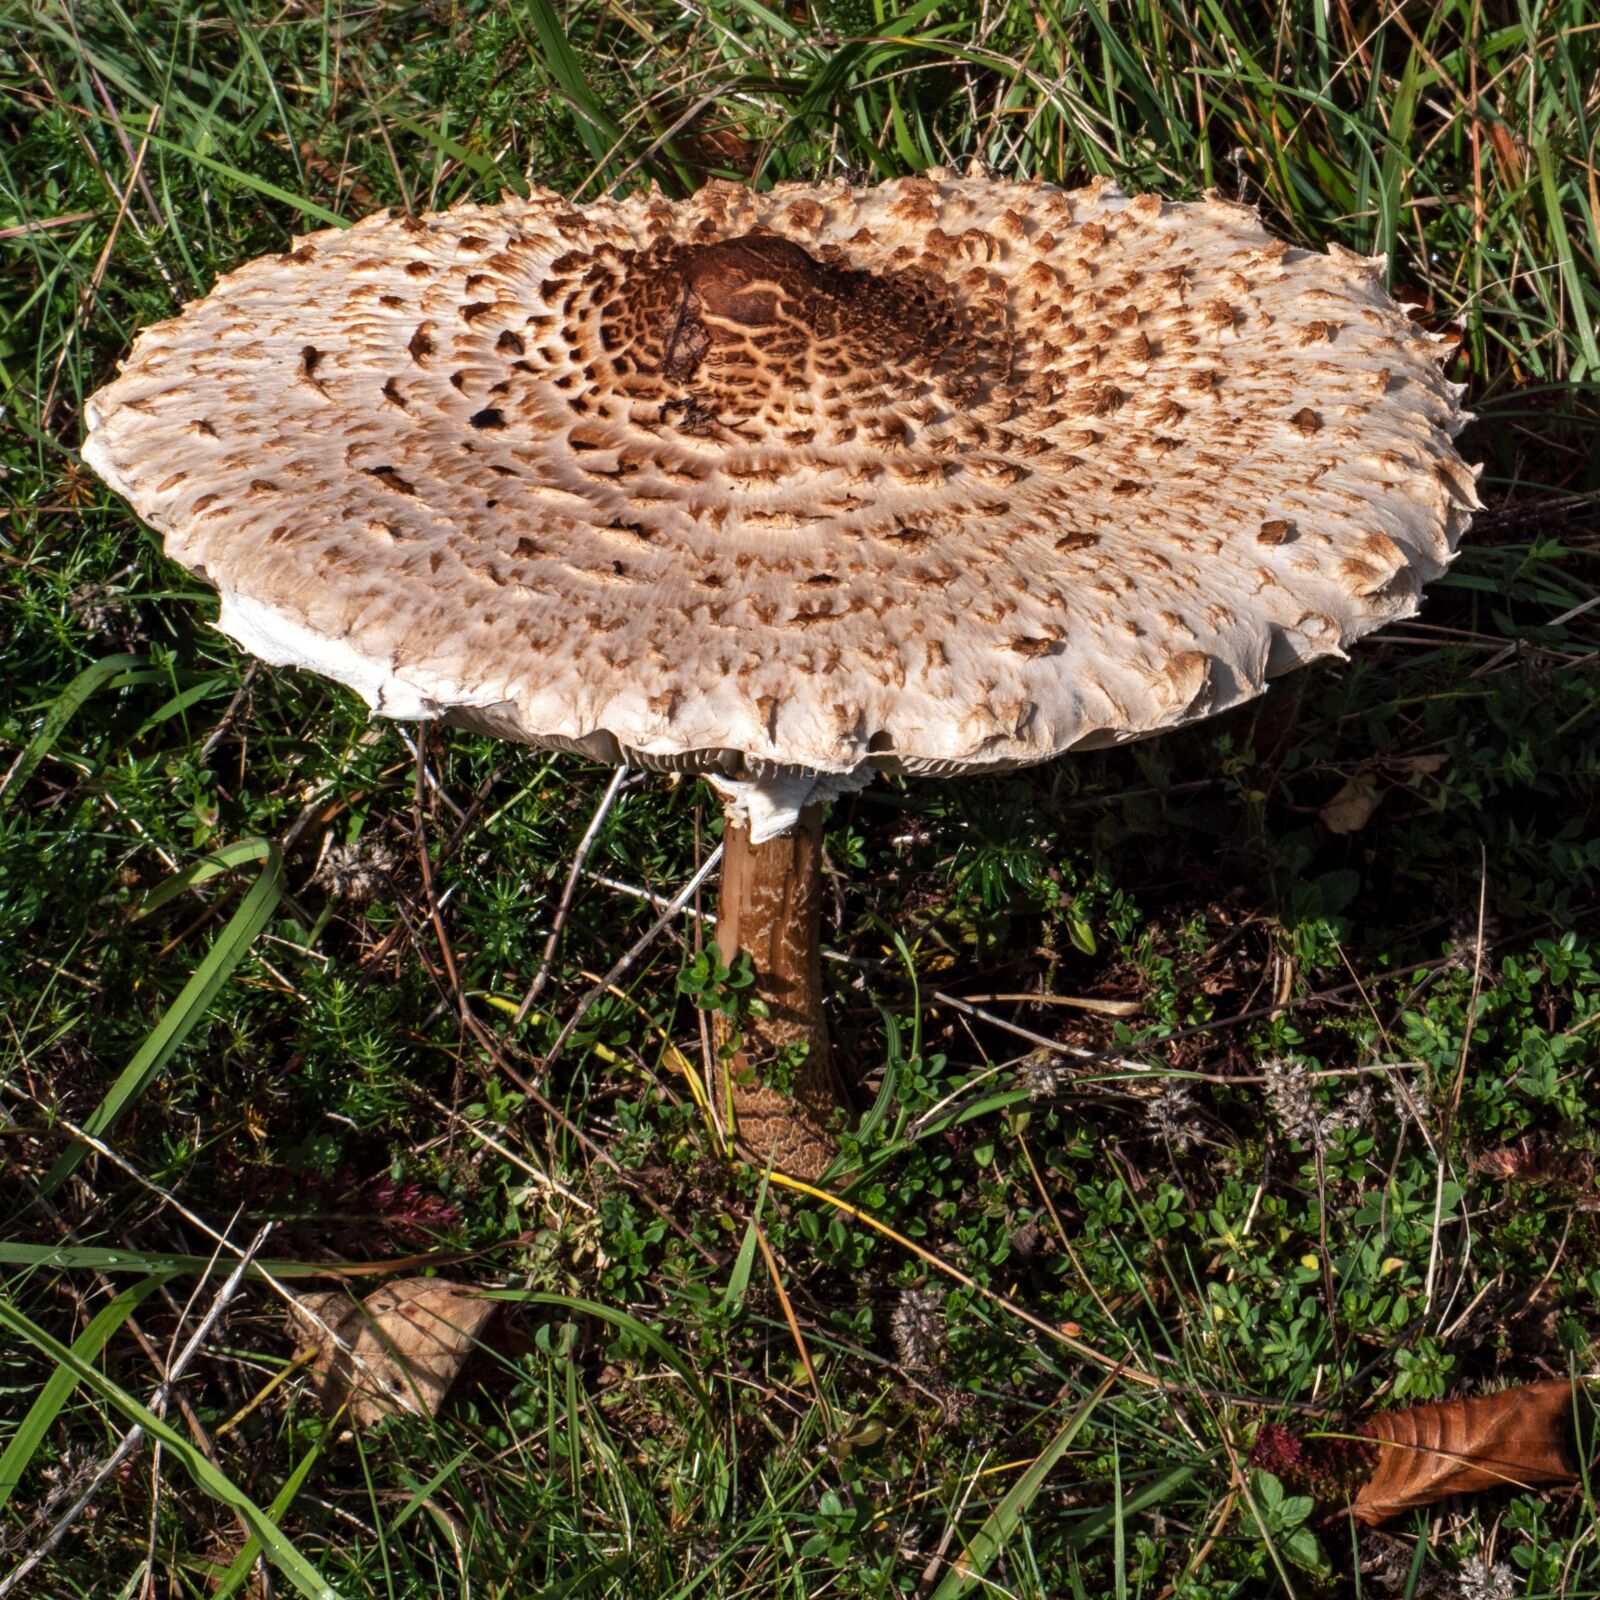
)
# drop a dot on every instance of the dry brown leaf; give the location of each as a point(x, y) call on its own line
point(1508, 152)
point(1514, 1439)
point(338, 178)
point(400, 1349)
point(1350, 809)
point(1417, 766)
point(715, 150)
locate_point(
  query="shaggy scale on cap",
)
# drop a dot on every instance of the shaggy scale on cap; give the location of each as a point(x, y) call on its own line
point(942, 475)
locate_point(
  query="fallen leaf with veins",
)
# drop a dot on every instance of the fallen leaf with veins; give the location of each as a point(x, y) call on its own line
point(1517, 1438)
point(399, 1350)
point(1351, 809)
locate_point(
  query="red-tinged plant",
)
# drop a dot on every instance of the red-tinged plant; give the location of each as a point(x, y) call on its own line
point(1328, 1467)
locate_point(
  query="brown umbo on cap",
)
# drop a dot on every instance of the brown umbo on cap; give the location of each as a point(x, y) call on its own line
point(941, 475)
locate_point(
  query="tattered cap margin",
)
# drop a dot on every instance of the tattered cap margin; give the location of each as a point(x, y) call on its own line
point(941, 475)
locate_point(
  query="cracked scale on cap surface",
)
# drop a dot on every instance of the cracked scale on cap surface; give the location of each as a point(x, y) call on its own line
point(942, 475)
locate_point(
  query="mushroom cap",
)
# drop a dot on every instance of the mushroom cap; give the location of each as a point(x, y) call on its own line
point(940, 475)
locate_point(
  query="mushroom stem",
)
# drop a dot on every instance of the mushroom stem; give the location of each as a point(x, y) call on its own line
point(771, 905)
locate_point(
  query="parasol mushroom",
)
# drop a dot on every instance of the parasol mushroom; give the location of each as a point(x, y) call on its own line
point(944, 476)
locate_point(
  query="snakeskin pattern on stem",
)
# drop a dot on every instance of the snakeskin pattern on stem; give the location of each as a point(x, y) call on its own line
point(771, 905)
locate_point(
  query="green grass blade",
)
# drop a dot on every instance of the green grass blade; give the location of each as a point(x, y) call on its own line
point(112, 672)
point(248, 180)
point(421, 1493)
point(744, 1263)
point(192, 696)
point(481, 166)
point(765, 18)
point(239, 1568)
point(181, 1016)
point(973, 1562)
point(1119, 1526)
point(239, 854)
point(1096, 1526)
point(245, 32)
point(96, 1258)
point(642, 1331)
point(58, 1387)
point(600, 134)
point(1395, 171)
point(1561, 242)
point(275, 1544)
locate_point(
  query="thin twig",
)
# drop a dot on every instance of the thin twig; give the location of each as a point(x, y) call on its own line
point(568, 892)
point(136, 161)
point(878, 968)
point(223, 1243)
point(45, 223)
point(130, 1440)
point(497, 1050)
point(634, 951)
point(794, 1327)
point(1104, 1058)
point(1555, 622)
point(107, 1153)
point(425, 773)
point(87, 298)
point(540, 1179)
point(1055, 1334)
point(214, 738)
point(1448, 1122)
point(1104, 1008)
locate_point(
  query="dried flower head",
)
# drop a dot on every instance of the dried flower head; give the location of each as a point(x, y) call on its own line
point(1039, 1073)
point(96, 606)
point(1386, 1568)
point(1477, 1580)
point(356, 872)
point(1174, 1115)
point(1470, 943)
point(1291, 1098)
point(1357, 1110)
point(917, 1326)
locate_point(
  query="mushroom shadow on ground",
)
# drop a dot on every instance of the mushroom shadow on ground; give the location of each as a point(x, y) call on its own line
point(950, 475)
